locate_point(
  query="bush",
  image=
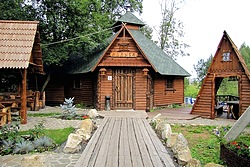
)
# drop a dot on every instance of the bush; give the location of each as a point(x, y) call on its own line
point(13, 142)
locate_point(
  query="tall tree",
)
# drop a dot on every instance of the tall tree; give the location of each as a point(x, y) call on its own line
point(201, 68)
point(16, 10)
point(117, 7)
point(69, 29)
point(66, 26)
point(171, 29)
point(245, 52)
point(147, 31)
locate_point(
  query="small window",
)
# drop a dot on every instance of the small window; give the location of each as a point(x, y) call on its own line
point(226, 56)
point(170, 83)
point(77, 83)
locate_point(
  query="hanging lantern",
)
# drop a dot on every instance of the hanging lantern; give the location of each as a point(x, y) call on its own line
point(145, 71)
point(102, 71)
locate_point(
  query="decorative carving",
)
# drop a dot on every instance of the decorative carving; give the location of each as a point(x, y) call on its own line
point(123, 54)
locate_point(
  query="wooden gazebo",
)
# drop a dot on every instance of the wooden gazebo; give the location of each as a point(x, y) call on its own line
point(20, 54)
point(227, 62)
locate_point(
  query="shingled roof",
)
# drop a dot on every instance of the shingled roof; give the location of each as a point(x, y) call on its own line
point(158, 58)
point(161, 62)
point(16, 43)
point(128, 17)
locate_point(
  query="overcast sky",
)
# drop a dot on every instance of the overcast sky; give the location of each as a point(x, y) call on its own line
point(204, 23)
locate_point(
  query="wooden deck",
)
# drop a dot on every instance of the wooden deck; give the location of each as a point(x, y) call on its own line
point(125, 142)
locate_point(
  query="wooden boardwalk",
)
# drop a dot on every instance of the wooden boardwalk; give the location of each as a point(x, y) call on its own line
point(125, 142)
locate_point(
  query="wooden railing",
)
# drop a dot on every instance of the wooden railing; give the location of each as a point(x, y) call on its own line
point(222, 98)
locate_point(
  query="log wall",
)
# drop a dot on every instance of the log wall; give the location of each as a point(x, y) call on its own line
point(85, 93)
point(203, 104)
point(55, 90)
point(245, 93)
point(140, 90)
point(105, 88)
point(163, 97)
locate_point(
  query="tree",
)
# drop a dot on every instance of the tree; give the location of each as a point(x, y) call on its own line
point(117, 7)
point(69, 29)
point(201, 68)
point(147, 31)
point(245, 52)
point(171, 30)
point(16, 10)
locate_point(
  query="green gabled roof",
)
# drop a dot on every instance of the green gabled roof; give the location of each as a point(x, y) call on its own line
point(161, 62)
point(157, 57)
point(85, 67)
point(128, 17)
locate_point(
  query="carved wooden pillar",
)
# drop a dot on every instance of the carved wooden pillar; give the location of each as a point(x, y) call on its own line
point(23, 110)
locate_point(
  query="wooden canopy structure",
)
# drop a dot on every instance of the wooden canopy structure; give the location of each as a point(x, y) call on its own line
point(20, 53)
point(227, 62)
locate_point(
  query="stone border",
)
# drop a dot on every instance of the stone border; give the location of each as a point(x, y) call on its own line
point(177, 143)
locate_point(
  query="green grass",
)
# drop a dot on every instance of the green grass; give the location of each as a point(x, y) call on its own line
point(43, 114)
point(203, 143)
point(59, 136)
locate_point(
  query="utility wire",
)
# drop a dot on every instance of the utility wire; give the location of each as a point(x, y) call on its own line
point(66, 40)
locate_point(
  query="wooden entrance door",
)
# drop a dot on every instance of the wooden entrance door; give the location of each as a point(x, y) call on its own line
point(123, 88)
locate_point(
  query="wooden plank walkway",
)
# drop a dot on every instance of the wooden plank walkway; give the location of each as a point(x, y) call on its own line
point(125, 142)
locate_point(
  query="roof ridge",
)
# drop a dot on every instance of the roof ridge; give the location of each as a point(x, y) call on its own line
point(19, 21)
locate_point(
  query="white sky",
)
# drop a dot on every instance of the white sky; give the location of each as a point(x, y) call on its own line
point(204, 22)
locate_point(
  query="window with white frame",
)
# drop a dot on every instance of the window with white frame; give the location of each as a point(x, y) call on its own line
point(226, 56)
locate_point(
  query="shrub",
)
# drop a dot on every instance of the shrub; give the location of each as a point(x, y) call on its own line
point(43, 143)
point(23, 147)
point(37, 131)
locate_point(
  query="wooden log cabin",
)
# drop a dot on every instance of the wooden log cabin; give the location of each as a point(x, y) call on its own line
point(20, 61)
point(132, 72)
point(227, 62)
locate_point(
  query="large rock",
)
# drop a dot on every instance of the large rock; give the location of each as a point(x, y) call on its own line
point(73, 143)
point(155, 120)
point(172, 139)
point(83, 133)
point(93, 113)
point(194, 163)
point(167, 131)
point(181, 150)
point(87, 125)
point(35, 161)
point(211, 164)
point(74, 139)
point(159, 125)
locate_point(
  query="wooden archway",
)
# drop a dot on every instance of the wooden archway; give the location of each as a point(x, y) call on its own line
point(226, 62)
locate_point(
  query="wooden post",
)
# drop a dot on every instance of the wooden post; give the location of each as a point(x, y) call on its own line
point(213, 98)
point(37, 97)
point(23, 110)
point(43, 99)
point(238, 126)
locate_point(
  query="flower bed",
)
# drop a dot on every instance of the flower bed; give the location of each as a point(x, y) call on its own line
point(234, 154)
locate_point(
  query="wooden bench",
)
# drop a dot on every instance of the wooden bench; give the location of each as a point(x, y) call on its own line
point(5, 116)
point(218, 110)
